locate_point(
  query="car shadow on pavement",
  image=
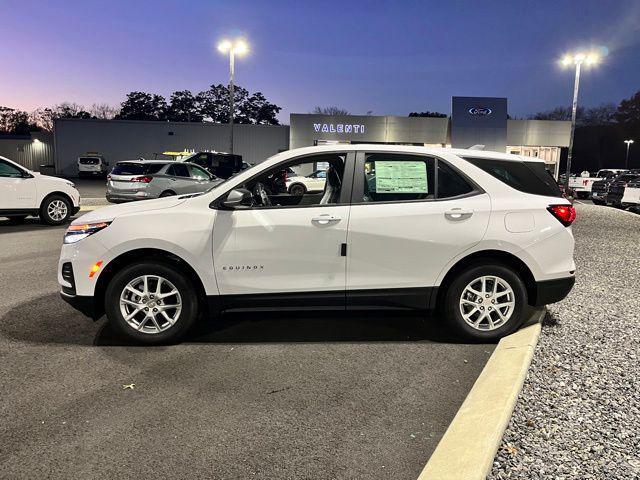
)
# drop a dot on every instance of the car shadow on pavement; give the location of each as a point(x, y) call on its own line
point(306, 327)
point(49, 320)
point(29, 225)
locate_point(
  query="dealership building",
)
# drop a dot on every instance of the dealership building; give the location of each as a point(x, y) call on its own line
point(474, 121)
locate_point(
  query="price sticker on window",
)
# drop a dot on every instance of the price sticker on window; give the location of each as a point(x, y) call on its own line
point(401, 177)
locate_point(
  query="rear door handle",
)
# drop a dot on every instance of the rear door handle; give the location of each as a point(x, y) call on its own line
point(458, 214)
point(325, 220)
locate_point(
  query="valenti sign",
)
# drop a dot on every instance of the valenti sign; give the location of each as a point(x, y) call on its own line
point(344, 128)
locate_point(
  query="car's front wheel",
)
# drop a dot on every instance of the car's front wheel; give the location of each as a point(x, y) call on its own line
point(55, 210)
point(486, 302)
point(151, 302)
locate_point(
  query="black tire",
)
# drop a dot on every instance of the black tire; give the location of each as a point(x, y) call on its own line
point(46, 215)
point(167, 193)
point(185, 319)
point(297, 190)
point(454, 294)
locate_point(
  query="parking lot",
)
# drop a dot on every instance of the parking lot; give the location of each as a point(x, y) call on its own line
point(253, 396)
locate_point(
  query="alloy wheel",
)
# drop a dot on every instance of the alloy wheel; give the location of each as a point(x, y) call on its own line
point(150, 304)
point(487, 303)
point(57, 210)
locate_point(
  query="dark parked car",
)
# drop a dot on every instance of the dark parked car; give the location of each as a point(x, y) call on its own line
point(617, 186)
point(222, 165)
point(600, 189)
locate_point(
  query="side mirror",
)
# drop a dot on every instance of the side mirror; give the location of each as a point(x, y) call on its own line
point(238, 198)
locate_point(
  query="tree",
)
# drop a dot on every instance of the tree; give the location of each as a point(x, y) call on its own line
point(103, 111)
point(184, 107)
point(248, 109)
point(428, 114)
point(601, 115)
point(143, 106)
point(333, 110)
point(16, 122)
point(629, 110)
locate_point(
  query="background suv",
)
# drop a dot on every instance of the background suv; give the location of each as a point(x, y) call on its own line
point(24, 193)
point(477, 235)
point(145, 179)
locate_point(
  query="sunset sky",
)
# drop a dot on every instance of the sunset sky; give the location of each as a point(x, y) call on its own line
point(381, 56)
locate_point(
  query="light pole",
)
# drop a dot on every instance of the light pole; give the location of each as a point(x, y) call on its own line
point(576, 59)
point(232, 47)
point(626, 161)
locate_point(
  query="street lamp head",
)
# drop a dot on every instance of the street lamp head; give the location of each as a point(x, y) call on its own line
point(628, 142)
point(238, 46)
point(590, 58)
point(224, 46)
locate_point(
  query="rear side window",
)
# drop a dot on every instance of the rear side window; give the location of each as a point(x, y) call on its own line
point(527, 177)
point(137, 168)
point(450, 183)
point(178, 170)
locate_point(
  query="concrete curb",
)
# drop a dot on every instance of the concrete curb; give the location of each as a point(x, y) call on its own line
point(468, 447)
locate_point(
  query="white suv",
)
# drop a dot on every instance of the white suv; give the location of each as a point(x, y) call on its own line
point(24, 193)
point(479, 235)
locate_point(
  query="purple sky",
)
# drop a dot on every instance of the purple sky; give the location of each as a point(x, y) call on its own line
point(390, 57)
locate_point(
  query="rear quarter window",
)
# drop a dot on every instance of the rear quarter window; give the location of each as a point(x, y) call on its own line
point(527, 177)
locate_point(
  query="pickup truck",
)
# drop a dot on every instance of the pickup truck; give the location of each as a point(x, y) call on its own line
point(581, 185)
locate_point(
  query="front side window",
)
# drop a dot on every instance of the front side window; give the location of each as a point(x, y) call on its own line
point(198, 173)
point(8, 170)
point(390, 177)
point(281, 187)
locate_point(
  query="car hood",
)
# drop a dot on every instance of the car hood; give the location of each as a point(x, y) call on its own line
point(49, 178)
point(107, 214)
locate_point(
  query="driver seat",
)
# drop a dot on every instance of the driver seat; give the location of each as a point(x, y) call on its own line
point(332, 187)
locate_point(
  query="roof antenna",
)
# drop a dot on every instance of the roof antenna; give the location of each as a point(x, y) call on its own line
point(476, 147)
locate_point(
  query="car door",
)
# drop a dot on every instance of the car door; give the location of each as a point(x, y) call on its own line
point(17, 189)
point(290, 252)
point(402, 231)
point(180, 179)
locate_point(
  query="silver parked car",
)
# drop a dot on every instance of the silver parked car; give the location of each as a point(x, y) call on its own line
point(143, 179)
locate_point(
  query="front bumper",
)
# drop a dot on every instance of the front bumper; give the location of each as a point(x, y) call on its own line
point(552, 291)
point(83, 304)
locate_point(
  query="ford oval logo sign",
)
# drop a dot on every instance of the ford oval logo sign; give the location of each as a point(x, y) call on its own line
point(482, 112)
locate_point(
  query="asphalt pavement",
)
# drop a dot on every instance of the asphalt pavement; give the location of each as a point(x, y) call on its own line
point(265, 396)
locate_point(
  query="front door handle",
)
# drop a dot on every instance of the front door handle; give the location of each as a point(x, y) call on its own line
point(325, 220)
point(458, 214)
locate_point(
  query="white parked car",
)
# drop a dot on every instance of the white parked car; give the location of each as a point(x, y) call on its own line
point(479, 235)
point(24, 193)
point(92, 166)
point(301, 184)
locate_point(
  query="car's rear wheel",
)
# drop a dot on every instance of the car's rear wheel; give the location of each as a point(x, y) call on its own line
point(55, 210)
point(486, 302)
point(297, 190)
point(151, 302)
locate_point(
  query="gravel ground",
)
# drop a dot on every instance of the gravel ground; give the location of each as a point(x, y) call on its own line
point(578, 414)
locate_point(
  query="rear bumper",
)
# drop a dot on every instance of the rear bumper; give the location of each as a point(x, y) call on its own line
point(122, 198)
point(552, 291)
point(83, 304)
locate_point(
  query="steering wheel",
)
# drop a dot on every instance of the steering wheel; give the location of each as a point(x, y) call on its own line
point(262, 193)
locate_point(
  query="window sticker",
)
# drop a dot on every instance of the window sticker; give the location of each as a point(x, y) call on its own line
point(401, 177)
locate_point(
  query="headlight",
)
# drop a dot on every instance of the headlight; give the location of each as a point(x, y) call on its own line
point(75, 233)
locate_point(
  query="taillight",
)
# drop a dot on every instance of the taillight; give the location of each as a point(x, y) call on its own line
point(108, 177)
point(565, 214)
point(145, 179)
